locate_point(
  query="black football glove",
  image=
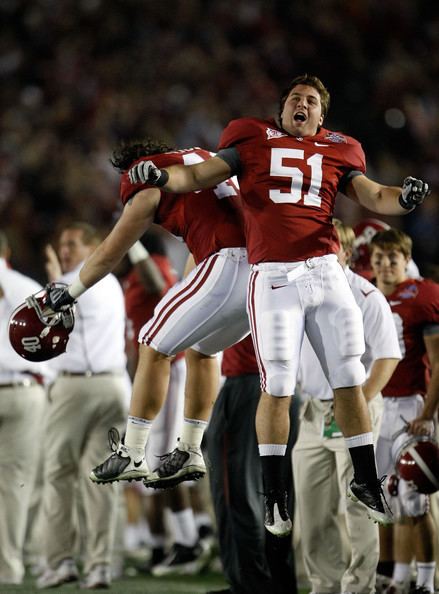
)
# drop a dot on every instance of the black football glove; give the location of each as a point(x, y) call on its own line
point(58, 297)
point(146, 172)
point(414, 192)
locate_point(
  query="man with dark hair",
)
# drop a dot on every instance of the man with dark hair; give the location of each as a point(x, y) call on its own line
point(289, 174)
point(202, 314)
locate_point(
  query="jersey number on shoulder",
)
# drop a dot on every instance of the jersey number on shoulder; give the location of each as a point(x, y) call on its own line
point(225, 188)
point(278, 169)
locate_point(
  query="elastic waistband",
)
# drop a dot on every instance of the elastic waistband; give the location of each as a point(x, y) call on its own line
point(289, 266)
point(85, 373)
point(234, 253)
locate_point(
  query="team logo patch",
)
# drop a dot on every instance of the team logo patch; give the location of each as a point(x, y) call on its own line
point(334, 137)
point(274, 133)
point(408, 292)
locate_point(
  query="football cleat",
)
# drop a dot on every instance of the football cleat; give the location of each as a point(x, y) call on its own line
point(373, 499)
point(183, 560)
point(124, 464)
point(185, 463)
point(277, 520)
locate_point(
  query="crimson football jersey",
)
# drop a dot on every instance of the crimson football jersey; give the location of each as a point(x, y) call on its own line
point(288, 187)
point(139, 304)
point(206, 220)
point(415, 306)
point(239, 359)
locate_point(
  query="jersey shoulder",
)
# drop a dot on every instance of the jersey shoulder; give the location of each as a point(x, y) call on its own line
point(246, 129)
point(349, 148)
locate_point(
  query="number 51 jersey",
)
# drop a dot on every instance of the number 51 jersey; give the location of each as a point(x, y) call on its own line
point(288, 187)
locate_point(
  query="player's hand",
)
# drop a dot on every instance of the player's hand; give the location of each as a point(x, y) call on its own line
point(146, 172)
point(58, 297)
point(414, 192)
point(421, 427)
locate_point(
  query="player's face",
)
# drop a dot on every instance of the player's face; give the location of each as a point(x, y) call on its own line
point(302, 112)
point(389, 266)
point(72, 250)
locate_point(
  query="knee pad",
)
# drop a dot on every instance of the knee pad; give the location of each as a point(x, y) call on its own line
point(350, 372)
point(349, 326)
point(280, 383)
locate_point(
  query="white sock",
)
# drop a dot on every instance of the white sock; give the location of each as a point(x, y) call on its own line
point(401, 573)
point(202, 519)
point(193, 431)
point(272, 449)
point(137, 432)
point(425, 574)
point(359, 440)
point(183, 527)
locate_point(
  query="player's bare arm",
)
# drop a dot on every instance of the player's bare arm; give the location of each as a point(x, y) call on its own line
point(137, 216)
point(387, 200)
point(181, 178)
point(380, 373)
point(424, 423)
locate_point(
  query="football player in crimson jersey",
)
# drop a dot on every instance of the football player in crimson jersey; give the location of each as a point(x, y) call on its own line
point(289, 173)
point(202, 314)
point(412, 395)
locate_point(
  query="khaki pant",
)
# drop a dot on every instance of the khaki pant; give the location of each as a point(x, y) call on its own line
point(322, 471)
point(81, 411)
point(21, 416)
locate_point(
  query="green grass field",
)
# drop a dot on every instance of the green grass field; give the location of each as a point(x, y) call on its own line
point(137, 585)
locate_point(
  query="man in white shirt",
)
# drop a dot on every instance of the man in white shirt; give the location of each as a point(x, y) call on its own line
point(321, 463)
point(22, 404)
point(87, 398)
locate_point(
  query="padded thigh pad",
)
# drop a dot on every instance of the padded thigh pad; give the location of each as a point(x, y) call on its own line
point(349, 326)
point(277, 331)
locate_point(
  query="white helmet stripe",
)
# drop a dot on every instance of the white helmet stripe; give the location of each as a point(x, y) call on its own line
point(423, 466)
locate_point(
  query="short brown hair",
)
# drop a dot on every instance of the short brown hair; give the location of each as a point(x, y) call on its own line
point(392, 239)
point(90, 235)
point(345, 234)
point(311, 81)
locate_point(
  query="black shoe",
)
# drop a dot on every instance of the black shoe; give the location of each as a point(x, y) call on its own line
point(277, 519)
point(185, 463)
point(373, 499)
point(420, 590)
point(124, 463)
point(182, 560)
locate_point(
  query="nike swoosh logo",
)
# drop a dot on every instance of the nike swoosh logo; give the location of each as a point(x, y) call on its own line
point(395, 302)
point(278, 286)
point(368, 293)
point(137, 464)
point(319, 144)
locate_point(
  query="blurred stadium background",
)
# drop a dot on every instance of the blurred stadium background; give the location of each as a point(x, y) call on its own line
point(77, 76)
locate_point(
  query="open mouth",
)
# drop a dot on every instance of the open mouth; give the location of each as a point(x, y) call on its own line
point(299, 117)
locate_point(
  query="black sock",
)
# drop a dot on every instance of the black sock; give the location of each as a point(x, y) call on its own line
point(363, 460)
point(385, 568)
point(274, 472)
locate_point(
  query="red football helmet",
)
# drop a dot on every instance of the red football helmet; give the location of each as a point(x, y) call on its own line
point(36, 332)
point(416, 459)
point(364, 232)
